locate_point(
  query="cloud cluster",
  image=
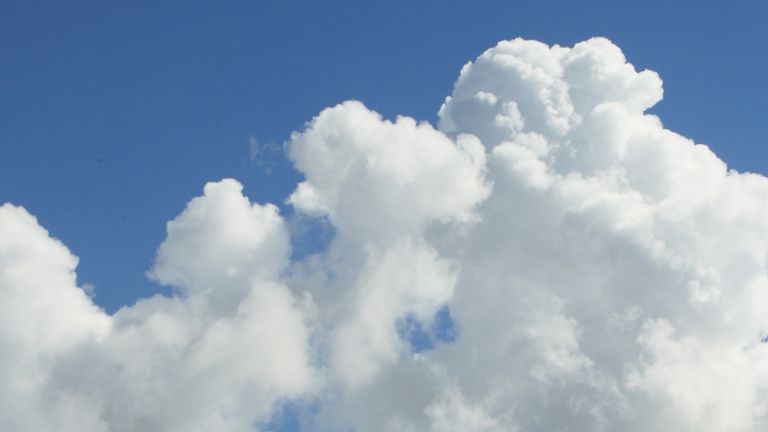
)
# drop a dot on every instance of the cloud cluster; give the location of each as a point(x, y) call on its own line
point(217, 356)
point(599, 273)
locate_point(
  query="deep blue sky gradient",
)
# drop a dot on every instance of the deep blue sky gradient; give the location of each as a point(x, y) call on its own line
point(114, 114)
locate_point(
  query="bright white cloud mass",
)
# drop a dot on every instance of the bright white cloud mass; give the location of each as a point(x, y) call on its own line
point(601, 273)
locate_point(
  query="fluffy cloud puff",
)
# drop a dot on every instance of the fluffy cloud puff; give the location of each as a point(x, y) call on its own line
point(217, 356)
point(601, 272)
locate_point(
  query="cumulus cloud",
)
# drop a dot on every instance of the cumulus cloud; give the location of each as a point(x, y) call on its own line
point(217, 356)
point(601, 273)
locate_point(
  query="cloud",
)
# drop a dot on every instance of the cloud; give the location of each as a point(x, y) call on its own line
point(408, 174)
point(43, 316)
point(219, 355)
point(601, 272)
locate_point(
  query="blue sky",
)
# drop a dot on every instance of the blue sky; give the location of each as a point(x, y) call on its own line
point(114, 114)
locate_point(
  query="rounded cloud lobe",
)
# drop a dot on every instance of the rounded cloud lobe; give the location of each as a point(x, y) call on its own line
point(600, 273)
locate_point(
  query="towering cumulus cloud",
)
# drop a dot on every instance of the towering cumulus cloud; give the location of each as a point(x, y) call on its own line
point(548, 257)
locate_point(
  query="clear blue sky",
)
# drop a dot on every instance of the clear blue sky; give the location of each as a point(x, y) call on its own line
point(114, 114)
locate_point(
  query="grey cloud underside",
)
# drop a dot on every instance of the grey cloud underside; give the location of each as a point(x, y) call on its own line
point(604, 273)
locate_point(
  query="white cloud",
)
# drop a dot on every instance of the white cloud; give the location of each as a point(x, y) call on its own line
point(604, 273)
point(221, 242)
point(43, 315)
point(406, 173)
point(450, 413)
point(218, 356)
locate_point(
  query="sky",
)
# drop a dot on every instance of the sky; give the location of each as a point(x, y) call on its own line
point(296, 167)
point(114, 115)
